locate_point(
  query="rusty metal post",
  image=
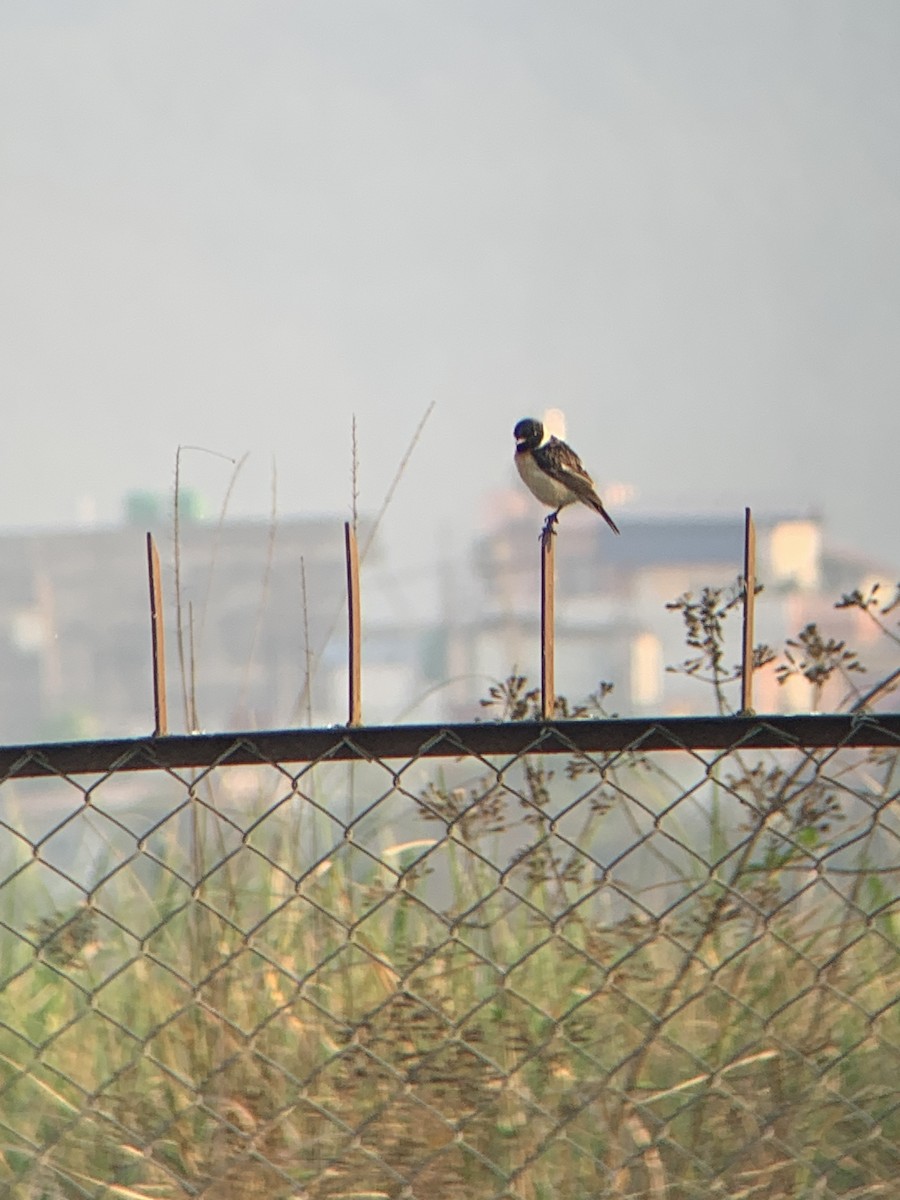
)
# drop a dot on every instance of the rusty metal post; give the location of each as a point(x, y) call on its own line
point(158, 641)
point(749, 612)
point(353, 620)
point(548, 622)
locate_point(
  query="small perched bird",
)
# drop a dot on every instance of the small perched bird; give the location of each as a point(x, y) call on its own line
point(553, 473)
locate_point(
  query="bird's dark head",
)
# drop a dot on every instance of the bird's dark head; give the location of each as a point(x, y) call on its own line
point(528, 434)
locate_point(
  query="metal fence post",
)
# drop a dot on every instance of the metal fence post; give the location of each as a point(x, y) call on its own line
point(158, 641)
point(749, 612)
point(548, 622)
point(353, 620)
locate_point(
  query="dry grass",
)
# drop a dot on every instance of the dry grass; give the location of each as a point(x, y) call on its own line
point(560, 986)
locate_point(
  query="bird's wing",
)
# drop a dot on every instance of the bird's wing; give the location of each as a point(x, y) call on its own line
point(567, 467)
point(563, 464)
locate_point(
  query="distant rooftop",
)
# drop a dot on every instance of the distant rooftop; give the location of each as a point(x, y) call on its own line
point(652, 539)
point(675, 540)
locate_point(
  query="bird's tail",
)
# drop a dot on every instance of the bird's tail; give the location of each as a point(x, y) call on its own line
point(597, 504)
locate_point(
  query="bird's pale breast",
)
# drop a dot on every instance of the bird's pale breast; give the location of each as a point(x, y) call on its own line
point(547, 490)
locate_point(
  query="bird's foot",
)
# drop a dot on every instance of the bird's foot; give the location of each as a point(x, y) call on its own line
point(549, 528)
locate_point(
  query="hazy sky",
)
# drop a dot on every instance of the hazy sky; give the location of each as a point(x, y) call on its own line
point(236, 224)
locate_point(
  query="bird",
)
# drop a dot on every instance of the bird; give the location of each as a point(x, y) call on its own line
point(553, 472)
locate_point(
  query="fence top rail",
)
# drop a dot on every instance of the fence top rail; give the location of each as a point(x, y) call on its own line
point(362, 743)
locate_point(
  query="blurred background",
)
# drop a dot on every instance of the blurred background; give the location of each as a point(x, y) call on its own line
point(237, 227)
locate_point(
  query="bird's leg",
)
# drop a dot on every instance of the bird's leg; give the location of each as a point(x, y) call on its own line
point(549, 527)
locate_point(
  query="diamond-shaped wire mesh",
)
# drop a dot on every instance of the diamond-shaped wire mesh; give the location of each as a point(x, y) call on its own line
point(626, 974)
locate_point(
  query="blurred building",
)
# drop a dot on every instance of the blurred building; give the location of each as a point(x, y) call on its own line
point(612, 619)
point(262, 615)
point(75, 658)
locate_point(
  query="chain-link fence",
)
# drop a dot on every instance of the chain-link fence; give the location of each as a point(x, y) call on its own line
point(586, 959)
